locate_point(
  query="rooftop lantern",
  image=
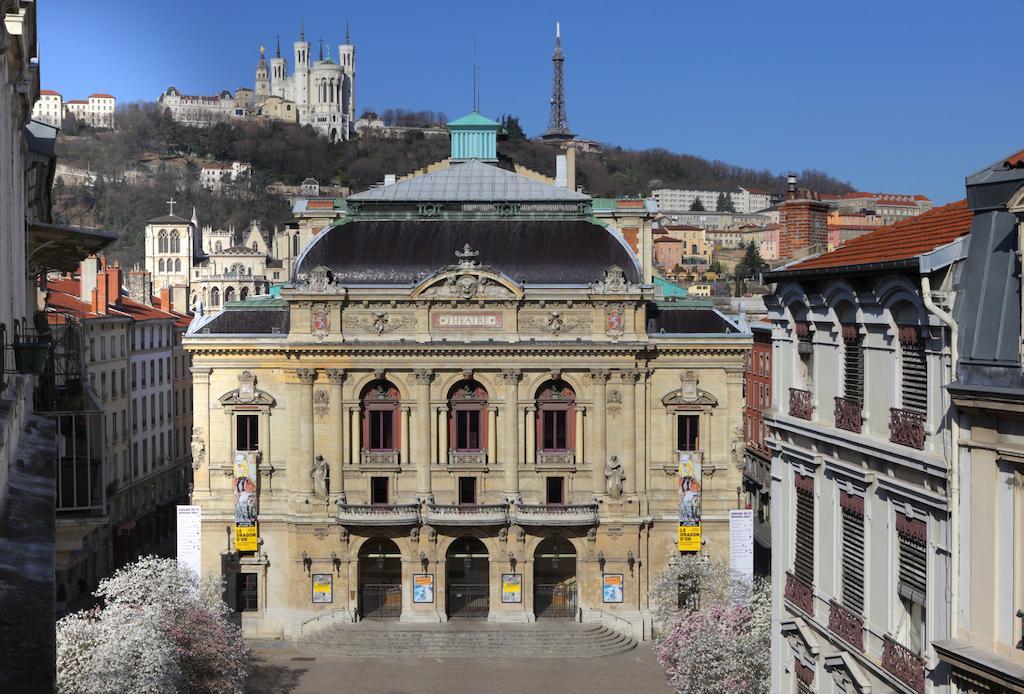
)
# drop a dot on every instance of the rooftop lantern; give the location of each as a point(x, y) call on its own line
point(474, 137)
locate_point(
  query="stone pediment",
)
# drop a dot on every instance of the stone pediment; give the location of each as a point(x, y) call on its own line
point(467, 280)
point(247, 393)
point(689, 394)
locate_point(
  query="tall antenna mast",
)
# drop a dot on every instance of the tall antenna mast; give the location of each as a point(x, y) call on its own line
point(558, 124)
point(476, 81)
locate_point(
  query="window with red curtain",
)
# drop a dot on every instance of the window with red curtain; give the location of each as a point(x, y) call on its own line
point(467, 402)
point(556, 421)
point(380, 402)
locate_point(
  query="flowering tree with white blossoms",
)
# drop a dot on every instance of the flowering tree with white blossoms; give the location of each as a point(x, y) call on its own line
point(161, 629)
point(714, 628)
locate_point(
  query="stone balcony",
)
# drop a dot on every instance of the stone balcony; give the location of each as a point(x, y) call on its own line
point(467, 458)
point(556, 459)
point(466, 514)
point(378, 514)
point(554, 515)
point(379, 460)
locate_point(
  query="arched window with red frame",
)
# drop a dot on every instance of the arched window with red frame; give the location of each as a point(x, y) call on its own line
point(380, 403)
point(467, 417)
point(556, 417)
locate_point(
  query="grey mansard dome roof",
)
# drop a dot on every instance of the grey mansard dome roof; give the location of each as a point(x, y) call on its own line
point(533, 251)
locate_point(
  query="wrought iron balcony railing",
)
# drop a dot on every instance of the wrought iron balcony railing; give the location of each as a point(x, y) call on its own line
point(556, 515)
point(906, 427)
point(466, 514)
point(850, 414)
point(378, 514)
point(800, 404)
point(800, 593)
point(846, 625)
point(901, 662)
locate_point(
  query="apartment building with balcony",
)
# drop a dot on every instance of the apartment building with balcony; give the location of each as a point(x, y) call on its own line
point(860, 442)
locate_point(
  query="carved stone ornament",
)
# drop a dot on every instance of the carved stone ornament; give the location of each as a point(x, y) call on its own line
point(614, 282)
point(414, 534)
point(503, 535)
point(555, 323)
point(198, 448)
point(423, 375)
point(247, 393)
point(320, 320)
point(306, 376)
point(614, 396)
point(320, 280)
point(688, 389)
point(614, 320)
point(614, 477)
point(336, 376)
point(383, 322)
point(592, 535)
point(246, 387)
point(321, 402)
point(511, 376)
point(343, 534)
point(468, 257)
point(319, 533)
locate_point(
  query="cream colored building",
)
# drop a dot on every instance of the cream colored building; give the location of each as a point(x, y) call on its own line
point(49, 107)
point(497, 417)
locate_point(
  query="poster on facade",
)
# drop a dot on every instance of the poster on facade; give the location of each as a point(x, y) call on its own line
point(689, 501)
point(741, 543)
point(245, 476)
point(190, 525)
point(612, 589)
point(423, 587)
point(512, 588)
point(323, 588)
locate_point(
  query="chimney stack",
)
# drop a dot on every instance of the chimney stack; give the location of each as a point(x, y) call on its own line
point(140, 287)
point(179, 299)
point(87, 272)
point(99, 294)
point(803, 223)
point(165, 299)
point(113, 273)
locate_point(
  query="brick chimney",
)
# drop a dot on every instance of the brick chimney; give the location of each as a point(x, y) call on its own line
point(165, 299)
point(113, 273)
point(803, 223)
point(99, 294)
point(140, 286)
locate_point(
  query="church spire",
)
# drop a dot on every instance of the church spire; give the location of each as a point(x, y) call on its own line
point(277, 52)
point(321, 50)
point(302, 28)
point(348, 41)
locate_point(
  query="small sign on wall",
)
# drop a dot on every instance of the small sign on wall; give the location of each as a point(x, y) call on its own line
point(612, 589)
point(323, 588)
point(512, 588)
point(423, 588)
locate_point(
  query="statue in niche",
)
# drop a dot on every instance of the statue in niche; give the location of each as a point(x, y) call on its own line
point(320, 475)
point(614, 477)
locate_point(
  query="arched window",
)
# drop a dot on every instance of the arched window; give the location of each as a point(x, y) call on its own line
point(255, 246)
point(295, 246)
point(160, 265)
point(215, 297)
point(380, 402)
point(556, 410)
point(244, 294)
point(467, 402)
point(162, 242)
point(175, 242)
point(229, 294)
point(218, 247)
point(177, 264)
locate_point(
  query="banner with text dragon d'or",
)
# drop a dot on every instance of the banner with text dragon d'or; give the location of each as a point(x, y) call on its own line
point(689, 501)
point(246, 477)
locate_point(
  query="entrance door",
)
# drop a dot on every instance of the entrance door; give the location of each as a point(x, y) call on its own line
point(554, 579)
point(380, 580)
point(468, 579)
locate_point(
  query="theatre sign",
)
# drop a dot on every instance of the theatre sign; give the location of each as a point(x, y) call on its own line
point(476, 320)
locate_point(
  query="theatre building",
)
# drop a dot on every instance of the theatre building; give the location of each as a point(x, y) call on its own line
point(466, 403)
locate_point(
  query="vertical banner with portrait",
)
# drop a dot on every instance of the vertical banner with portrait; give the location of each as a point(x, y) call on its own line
point(323, 588)
point(422, 588)
point(689, 501)
point(246, 477)
point(611, 590)
point(511, 588)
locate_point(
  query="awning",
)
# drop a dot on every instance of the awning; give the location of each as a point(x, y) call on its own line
point(58, 247)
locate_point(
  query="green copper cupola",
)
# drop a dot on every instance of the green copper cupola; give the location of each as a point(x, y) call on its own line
point(474, 137)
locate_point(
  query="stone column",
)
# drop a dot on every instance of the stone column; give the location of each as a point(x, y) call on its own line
point(405, 435)
point(643, 432)
point(581, 439)
point(355, 435)
point(421, 454)
point(511, 443)
point(202, 449)
point(598, 432)
point(628, 378)
point(443, 446)
point(531, 434)
point(336, 431)
point(302, 480)
point(492, 434)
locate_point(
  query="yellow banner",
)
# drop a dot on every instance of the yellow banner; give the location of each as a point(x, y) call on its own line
point(246, 538)
point(689, 538)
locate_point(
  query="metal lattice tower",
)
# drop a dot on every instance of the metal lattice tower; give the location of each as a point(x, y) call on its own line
point(558, 126)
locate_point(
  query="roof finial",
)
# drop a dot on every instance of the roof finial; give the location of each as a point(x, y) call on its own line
point(321, 49)
point(348, 42)
point(171, 203)
point(195, 218)
point(302, 28)
point(277, 53)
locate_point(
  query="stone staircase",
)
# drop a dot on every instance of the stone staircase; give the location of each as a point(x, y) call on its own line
point(469, 640)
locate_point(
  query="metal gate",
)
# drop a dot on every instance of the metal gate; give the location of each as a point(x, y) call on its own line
point(381, 600)
point(554, 600)
point(468, 600)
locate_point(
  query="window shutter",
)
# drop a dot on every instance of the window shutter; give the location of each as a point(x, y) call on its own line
point(913, 558)
point(915, 371)
point(853, 363)
point(853, 552)
point(803, 564)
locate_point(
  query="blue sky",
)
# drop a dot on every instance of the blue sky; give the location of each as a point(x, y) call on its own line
point(900, 96)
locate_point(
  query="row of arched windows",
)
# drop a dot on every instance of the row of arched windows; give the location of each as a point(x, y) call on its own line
point(229, 294)
point(168, 243)
point(467, 416)
point(169, 266)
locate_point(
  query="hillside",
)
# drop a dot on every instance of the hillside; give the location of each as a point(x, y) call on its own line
point(150, 158)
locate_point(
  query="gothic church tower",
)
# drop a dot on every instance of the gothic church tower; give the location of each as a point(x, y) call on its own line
point(262, 79)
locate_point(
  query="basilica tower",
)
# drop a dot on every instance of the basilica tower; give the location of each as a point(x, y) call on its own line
point(277, 71)
point(300, 93)
point(262, 79)
point(347, 60)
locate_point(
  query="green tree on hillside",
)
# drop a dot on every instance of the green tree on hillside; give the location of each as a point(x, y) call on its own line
point(511, 125)
point(696, 205)
point(724, 203)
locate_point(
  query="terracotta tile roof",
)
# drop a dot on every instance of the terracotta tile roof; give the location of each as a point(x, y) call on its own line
point(78, 101)
point(49, 92)
point(1015, 160)
point(64, 294)
point(903, 240)
point(100, 95)
point(923, 198)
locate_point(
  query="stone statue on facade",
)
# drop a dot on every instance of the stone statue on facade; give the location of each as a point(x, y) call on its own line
point(320, 477)
point(614, 477)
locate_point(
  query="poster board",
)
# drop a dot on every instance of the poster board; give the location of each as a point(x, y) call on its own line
point(423, 588)
point(323, 588)
point(741, 543)
point(190, 525)
point(611, 589)
point(689, 539)
point(511, 588)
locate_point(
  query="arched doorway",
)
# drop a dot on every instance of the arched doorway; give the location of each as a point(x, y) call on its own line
point(467, 584)
point(554, 579)
point(380, 579)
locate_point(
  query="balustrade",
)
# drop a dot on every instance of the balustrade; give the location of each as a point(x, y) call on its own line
point(800, 593)
point(907, 667)
point(906, 427)
point(800, 404)
point(382, 514)
point(466, 514)
point(846, 625)
point(557, 515)
point(849, 414)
